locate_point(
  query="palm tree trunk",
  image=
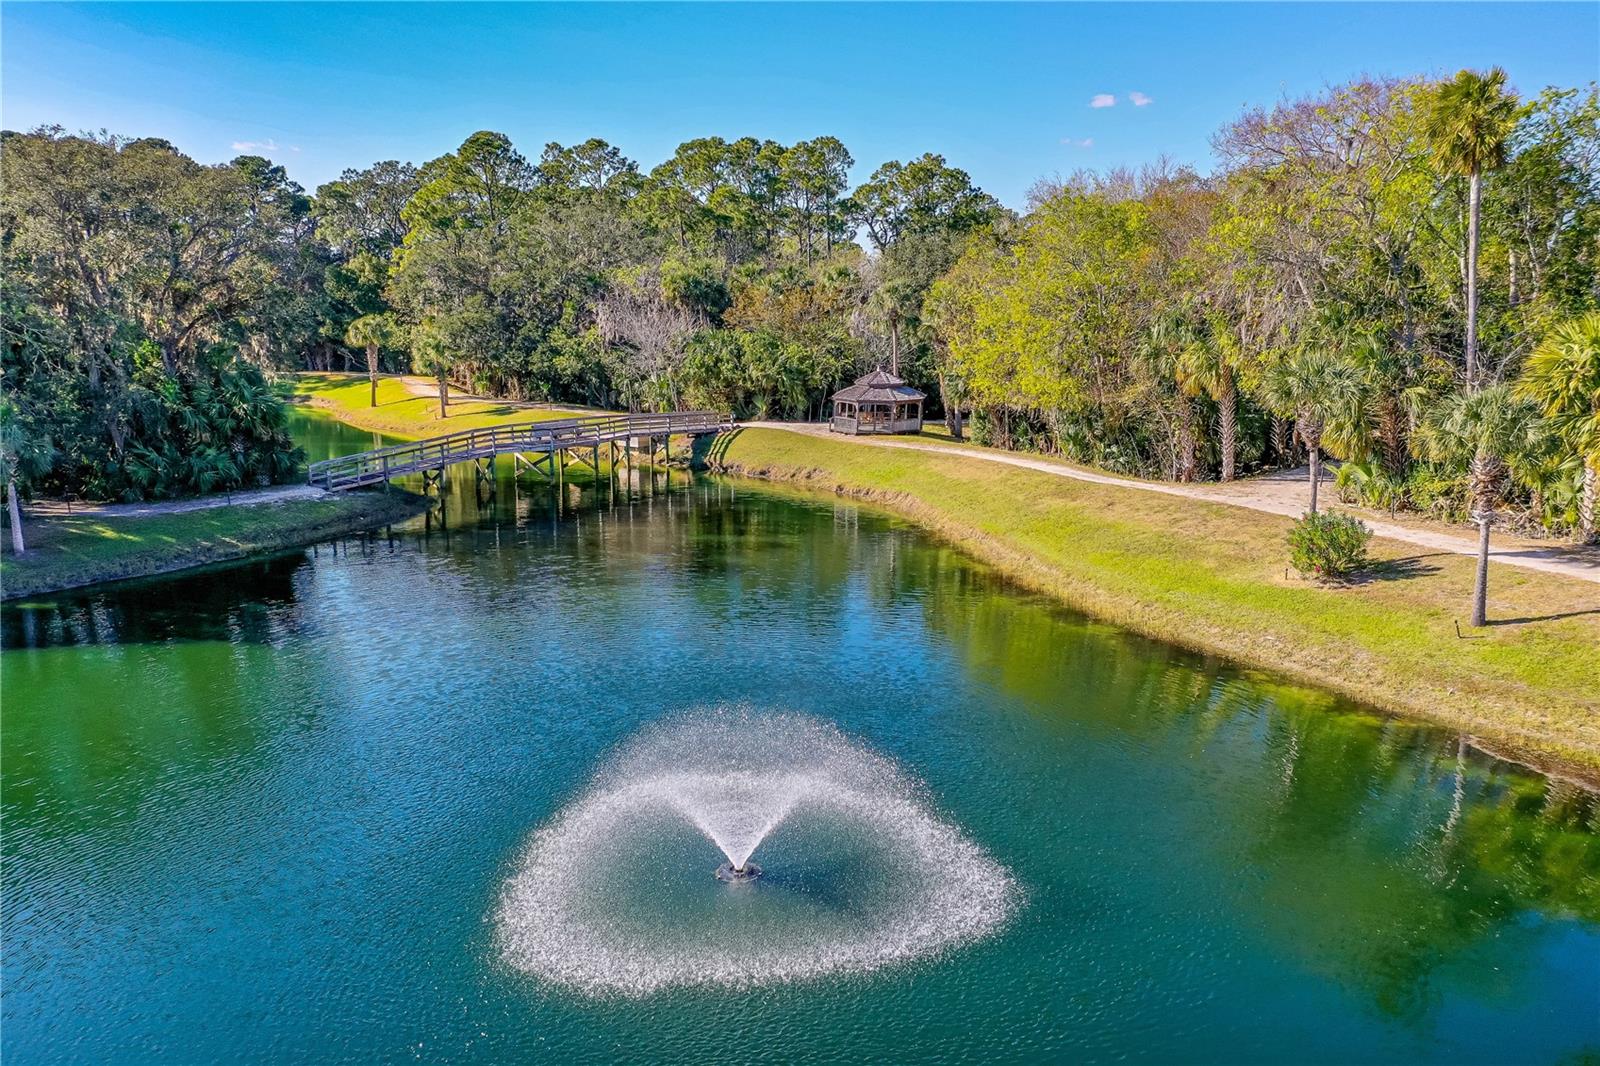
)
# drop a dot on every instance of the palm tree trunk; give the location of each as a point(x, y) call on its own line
point(1228, 409)
point(1482, 479)
point(1186, 441)
point(1474, 203)
point(1591, 474)
point(444, 393)
point(1280, 438)
point(17, 544)
point(1480, 588)
point(372, 372)
point(1316, 471)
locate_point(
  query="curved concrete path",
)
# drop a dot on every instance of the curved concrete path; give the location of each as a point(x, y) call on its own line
point(242, 498)
point(1284, 492)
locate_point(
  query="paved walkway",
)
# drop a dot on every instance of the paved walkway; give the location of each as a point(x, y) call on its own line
point(1284, 492)
point(275, 494)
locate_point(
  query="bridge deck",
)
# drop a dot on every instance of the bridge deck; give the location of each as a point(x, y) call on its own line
point(380, 464)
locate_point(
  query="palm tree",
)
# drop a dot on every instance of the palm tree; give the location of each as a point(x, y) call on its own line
point(1390, 400)
point(372, 332)
point(1313, 386)
point(1481, 429)
point(1562, 377)
point(1467, 124)
point(1207, 364)
point(1161, 347)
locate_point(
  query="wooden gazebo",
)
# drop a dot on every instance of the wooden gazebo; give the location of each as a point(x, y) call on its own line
point(877, 403)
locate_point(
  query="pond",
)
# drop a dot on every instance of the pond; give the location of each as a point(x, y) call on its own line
point(270, 811)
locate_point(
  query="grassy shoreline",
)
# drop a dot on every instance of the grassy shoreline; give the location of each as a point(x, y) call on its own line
point(1212, 578)
point(72, 552)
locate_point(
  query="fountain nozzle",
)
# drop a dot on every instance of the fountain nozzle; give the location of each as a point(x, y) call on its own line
point(735, 875)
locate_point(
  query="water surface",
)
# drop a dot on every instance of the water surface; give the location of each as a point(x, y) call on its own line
point(264, 812)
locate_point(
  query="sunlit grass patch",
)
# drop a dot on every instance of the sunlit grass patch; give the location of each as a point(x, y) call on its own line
point(69, 551)
point(401, 413)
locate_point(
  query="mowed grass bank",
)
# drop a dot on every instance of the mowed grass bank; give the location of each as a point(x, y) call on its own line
point(1212, 577)
point(402, 413)
point(70, 551)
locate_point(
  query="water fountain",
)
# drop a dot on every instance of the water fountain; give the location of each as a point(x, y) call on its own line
point(861, 872)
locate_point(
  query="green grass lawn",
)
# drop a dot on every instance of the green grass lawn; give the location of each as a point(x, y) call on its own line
point(1212, 577)
point(66, 552)
point(402, 414)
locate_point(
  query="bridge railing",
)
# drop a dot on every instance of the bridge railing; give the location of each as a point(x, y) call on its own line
point(381, 464)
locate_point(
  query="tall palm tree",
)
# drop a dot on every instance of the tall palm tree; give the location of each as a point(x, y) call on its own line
point(1481, 429)
point(372, 332)
point(1467, 124)
point(1562, 377)
point(1208, 363)
point(1313, 386)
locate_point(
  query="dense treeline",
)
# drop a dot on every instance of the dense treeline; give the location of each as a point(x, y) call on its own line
point(146, 293)
point(1398, 273)
point(1320, 293)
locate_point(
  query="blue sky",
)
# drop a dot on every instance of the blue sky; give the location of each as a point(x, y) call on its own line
point(1004, 91)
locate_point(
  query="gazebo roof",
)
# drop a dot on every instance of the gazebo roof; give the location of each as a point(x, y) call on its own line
point(880, 386)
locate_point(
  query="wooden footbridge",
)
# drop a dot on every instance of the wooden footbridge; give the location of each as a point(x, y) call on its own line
point(540, 446)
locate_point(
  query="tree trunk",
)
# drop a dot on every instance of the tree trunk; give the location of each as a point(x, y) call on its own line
point(444, 393)
point(1314, 447)
point(1280, 438)
point(372, 372)
point(1480, 588)
point(17, 544)
point(952, 410)
point(1474, 198)
point(1483, 478)
point(1591, 474)
point(1392, 435)
point(1228, 409)
point(894, 344)
point(1186, 440)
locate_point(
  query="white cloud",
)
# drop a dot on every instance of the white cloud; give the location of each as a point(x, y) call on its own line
point(256, 146)
point(1140, 99)
point(1087, 142)
point(1103, 100)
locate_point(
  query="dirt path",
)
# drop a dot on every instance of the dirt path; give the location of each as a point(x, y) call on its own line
point(275, 494)
point(1284, 492)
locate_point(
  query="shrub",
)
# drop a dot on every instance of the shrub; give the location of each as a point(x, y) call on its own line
point(1370, 485)
point(1328, 545)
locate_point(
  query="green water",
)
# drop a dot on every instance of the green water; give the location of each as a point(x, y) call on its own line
point(322, 437)
point(265, 812)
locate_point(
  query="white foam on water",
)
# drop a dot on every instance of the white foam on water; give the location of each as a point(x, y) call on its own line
point(736, 776)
